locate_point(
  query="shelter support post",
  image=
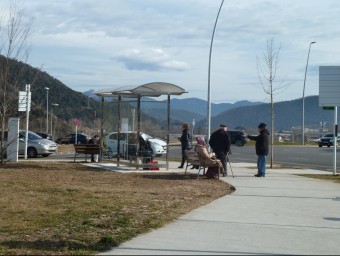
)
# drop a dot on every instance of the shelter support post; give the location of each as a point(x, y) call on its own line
point(101, 130)
point(118, 130)
point(168, 134)
point(138, 132)
point(335, 138)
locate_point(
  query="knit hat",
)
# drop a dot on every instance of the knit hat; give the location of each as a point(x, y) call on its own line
point(262, 126)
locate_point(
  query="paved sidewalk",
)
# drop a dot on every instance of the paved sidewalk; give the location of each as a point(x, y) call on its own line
point(279, 214)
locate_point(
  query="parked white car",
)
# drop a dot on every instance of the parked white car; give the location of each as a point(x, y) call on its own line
point(158, 146)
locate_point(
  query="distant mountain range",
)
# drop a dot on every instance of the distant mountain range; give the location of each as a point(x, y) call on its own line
point(183, 110)
point(245, 114)
point(288, 114)
point(85, 107)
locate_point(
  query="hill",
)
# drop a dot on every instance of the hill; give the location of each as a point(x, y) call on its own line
point(87, 108)
point(64, 104)
point(245, 114)
point(288, 114)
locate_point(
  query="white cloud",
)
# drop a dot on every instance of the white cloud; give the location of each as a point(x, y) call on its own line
point(149, 59)
point(85, 43)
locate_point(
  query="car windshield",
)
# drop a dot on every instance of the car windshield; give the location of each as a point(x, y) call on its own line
point(146, 136)
point(31, 135)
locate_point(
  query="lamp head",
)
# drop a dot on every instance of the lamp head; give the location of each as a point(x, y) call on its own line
point(312, 42)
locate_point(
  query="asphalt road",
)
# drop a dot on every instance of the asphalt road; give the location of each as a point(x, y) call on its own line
point(310, 157)
point(307, 157)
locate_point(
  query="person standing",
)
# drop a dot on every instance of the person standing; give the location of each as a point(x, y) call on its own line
point(220, 144)
point(94, 140)
point(262, 149)
point(186, 144)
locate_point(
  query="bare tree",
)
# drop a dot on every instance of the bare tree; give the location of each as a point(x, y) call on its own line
point(15, 29)
point(267, 68)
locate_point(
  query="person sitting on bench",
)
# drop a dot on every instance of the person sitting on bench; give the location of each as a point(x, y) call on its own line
point(206, 158)
point(94, 140)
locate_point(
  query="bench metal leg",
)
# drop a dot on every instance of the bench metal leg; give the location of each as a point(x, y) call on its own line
point(199, 170)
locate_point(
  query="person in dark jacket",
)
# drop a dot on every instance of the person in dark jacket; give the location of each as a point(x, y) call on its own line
point(262, 149)
point(220, 144)
point(186, 144)
point(94, 140)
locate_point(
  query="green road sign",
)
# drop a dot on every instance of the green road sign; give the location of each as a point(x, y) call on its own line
point(328, 108)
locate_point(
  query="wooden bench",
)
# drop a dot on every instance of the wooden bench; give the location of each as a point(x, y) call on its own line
point(86, 149)
point(192, 160)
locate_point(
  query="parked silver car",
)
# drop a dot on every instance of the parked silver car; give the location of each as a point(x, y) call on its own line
point(36, 145)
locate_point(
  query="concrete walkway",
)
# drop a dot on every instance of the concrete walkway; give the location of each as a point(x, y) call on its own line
point(279, 214)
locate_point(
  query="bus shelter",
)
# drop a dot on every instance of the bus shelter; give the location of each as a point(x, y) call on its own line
point(134, 94)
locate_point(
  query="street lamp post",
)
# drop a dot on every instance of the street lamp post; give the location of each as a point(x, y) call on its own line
point(303, 98)
point(209, 67)
point(53, 105)
point(47, 89)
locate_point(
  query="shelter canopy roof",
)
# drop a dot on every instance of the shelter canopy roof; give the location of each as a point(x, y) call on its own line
point(155, 89)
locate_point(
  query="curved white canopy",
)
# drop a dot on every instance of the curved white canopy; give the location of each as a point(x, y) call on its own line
point(155, 89)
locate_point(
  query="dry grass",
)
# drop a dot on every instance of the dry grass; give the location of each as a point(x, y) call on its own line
point(68, 208)
point(328, 177)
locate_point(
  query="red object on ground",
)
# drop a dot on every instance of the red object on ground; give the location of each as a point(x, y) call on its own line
point(153, 162)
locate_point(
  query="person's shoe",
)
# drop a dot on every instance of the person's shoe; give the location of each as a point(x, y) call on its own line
point(181, 166)
point(258, 175)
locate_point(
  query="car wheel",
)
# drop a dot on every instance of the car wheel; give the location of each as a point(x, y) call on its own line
point(328, 145)
point(32, 152)
point(239, 143)
point(45, 155)
point(320, 146)
point(109, 153)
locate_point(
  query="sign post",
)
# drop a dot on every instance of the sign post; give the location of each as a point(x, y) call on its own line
point(76, 122)
point(329, 96)
point(25, 105)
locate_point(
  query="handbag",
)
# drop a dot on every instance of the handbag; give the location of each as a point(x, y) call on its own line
point(212, 172)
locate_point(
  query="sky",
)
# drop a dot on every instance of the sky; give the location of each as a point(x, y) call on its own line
point(94, 45)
